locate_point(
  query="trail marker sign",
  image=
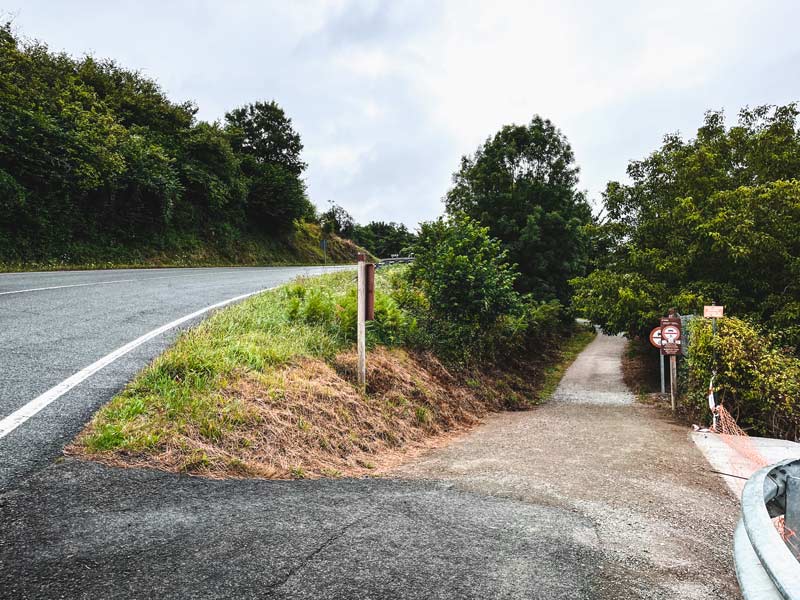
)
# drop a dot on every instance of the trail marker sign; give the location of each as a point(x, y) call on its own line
point(713, 312)
point(655, 338)
point(671, 335)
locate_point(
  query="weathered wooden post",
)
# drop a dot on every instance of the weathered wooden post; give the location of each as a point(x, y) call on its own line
point(365, 312)
point(361, 326)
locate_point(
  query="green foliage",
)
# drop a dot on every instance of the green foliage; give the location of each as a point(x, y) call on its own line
point(715, 218)
point(521, 185)
point(94, 155)
point(461, 289)
point(337, 313)
point(384, 239)
point(337, 220)
point(757, 381)
point(463, 272)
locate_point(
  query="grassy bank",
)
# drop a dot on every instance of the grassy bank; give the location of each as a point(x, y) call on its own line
point(301, 247)
point(267, 388)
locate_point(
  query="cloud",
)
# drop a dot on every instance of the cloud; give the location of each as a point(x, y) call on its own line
point(388, 95)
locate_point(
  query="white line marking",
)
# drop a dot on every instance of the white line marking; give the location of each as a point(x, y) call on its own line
point(58, 287)
point(71, 285)
point(18, 417)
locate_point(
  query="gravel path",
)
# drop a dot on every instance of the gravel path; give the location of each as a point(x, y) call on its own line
point(661, 522)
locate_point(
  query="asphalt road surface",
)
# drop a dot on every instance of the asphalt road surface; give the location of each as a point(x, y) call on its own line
point(52, 325)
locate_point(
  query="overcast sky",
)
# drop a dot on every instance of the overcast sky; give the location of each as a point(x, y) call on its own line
point(387, 96)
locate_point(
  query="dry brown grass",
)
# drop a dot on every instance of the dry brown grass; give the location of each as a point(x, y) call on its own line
point(308, 419)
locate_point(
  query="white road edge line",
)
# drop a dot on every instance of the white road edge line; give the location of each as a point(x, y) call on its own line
point(72, 285)
point(18, 417)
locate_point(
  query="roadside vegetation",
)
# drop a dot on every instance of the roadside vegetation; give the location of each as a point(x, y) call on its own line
point(712, 219)
point(267, 388)
point(98, 168)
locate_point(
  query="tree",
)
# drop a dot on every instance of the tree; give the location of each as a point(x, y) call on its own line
point(95, 159)
point(715, 218)
point(337, 220)
point(269, 149)
point(384, 239)
point(263, 132)
point(521, 184)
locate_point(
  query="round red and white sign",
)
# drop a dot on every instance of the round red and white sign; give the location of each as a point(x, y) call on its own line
point(655, 338)
point(670, 334)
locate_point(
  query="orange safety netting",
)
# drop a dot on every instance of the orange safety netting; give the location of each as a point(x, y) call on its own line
point(736, 437)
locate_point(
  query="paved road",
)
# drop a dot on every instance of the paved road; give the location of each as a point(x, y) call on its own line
point(52, 325)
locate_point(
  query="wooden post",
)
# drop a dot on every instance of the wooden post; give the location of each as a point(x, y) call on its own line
point(673, 379)
point(663, 387)
point(361, 324)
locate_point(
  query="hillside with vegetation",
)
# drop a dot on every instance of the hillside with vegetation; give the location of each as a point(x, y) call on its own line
point(99, 168)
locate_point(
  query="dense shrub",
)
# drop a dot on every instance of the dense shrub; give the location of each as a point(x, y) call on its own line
point(758, 382)
point(337, 313)
point(461, 289)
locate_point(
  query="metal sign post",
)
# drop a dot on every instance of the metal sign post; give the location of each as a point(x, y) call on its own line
point(658, 342)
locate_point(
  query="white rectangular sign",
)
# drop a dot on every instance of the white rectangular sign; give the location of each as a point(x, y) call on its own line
point(713, 312)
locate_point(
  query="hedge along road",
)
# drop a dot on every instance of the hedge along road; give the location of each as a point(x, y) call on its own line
point(54, 325)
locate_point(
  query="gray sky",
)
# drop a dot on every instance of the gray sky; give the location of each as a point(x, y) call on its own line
point(387, 96)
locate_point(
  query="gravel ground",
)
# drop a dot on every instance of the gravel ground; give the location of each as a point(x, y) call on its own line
point(661, 522)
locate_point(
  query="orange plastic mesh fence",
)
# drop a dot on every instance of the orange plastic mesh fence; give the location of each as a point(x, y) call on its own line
point(737, 438)
point(740, 442)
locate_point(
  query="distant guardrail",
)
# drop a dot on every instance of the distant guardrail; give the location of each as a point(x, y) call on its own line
point(766, 565)
point(396, 260)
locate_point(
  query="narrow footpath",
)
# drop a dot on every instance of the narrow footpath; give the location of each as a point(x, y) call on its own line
point(661, 520)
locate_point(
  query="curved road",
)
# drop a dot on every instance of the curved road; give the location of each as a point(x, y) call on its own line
point(53, 325)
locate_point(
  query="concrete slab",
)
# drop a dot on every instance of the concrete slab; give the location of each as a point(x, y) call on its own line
point(734, 466)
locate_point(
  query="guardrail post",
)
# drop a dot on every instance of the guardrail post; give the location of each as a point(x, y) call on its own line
point(791, 525)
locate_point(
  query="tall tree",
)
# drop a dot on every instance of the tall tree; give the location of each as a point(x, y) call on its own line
point(521, 184)
point(269, 148)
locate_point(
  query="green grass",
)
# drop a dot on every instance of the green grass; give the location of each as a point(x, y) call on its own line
point(573, 346)
point(182, 391)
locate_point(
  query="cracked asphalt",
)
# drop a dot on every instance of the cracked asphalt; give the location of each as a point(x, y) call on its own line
point(574, 500)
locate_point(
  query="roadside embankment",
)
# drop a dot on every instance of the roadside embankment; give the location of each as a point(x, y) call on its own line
point(267, 389)
point(301, 246)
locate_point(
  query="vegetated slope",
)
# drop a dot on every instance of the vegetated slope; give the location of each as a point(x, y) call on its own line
point(98, 165)
point(302, 246)
point(267, 388)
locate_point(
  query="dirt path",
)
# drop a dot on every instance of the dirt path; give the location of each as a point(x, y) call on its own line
point(661, 521)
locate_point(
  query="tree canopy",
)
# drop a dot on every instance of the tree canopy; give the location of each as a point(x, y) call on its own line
point(521, 184)
point(714, 218)
point(92, 154)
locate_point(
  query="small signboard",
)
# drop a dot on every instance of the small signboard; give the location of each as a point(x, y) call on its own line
point(713, 312)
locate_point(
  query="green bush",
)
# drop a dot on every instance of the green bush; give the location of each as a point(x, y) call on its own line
point(391, 326)
point(461, 289)
point(757, 380)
